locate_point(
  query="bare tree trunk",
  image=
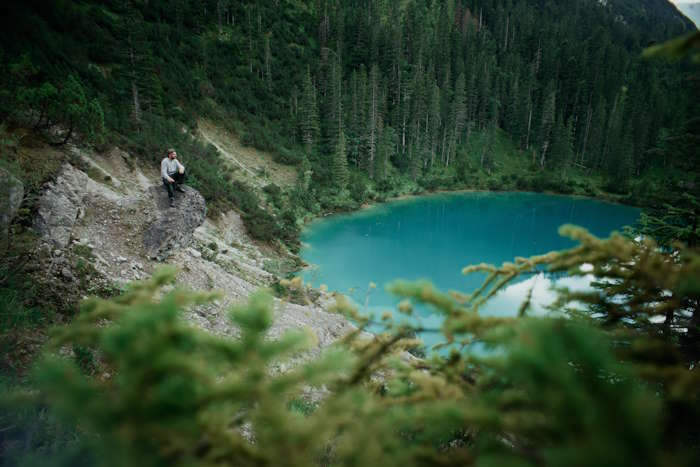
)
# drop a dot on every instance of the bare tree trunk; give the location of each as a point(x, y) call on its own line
point(544, 153)
point(427, 138)
point(374, 119)
point(589, 117)
point(529, 126)
point(403, 134)
point(219, 9)
point(250, 46)
point(136, 110)
point(444, 142)
point(268, 74)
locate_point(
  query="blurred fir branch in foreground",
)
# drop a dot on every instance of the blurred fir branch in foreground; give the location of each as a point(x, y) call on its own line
point(677, 49)
point(614, 386)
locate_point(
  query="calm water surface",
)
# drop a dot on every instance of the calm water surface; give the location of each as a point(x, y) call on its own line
point(434, 237)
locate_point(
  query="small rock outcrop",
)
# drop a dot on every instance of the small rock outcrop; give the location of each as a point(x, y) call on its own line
point(173, 227)
point(61, 205)
point(11, 195)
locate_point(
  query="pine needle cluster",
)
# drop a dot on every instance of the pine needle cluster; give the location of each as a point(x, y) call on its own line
point(611, 386)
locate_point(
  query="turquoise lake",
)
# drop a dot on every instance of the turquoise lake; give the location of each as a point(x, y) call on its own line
point(434, 237)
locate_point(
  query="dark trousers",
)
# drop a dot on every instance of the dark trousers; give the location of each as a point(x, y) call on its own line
point(170, 186)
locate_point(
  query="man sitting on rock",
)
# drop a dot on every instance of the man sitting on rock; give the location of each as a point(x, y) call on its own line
point(173, 174)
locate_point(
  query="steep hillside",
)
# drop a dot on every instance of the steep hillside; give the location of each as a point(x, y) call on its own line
point(654, 20)
point(362, 97)
point(104, 221)
point(248, 164)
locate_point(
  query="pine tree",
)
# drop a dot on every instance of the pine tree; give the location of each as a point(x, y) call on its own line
point(308, 113)
point(593, 144)
point(457, 118)
point(485, 90)
point(131, 28)
point(268, 60)
point(374, 101)
point(340, 164)
point(487, 149)
point(547, 122)
point(434, 123)
point(616, 150)
point(561, 151)
point(385, 152)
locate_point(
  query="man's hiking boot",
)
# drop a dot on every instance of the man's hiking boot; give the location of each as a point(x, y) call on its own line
point(179, 188)
point(172, 203)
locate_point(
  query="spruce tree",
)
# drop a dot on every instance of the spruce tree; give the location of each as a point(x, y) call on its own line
point(340, 164)
point(547, 122)
point(561, 151)
point(308, 113)
point(434, 123)
point(457, 118)
point(374, 104)
point(594, 143)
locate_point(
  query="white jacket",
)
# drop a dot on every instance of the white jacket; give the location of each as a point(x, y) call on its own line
point(170, 166)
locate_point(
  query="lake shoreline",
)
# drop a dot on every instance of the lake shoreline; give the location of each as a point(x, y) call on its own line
point(433, 237)
point(409, 196)
point(608, 198)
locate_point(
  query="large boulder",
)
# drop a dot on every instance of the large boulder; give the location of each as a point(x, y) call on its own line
point(60, 205)
point(11, 195)
point(173, 227)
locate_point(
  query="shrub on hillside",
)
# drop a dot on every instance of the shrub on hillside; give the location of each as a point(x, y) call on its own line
point(358, 186)
point(274, 194)
point(287, 156)
point(261, 225)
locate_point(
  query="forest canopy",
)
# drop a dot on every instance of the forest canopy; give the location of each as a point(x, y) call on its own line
point(365, 94)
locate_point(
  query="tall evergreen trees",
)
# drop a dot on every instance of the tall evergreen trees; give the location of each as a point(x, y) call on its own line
point(427, 72)
point(431, 73)
point(308, 114)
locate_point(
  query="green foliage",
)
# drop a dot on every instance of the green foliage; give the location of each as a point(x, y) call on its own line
point(681, 47)
point(646, 299)
point(674, 223)
point(409, 86)
point(308, 113)
point(60, 111)
point(340, 164)
point(531, 391)
point(358, 186)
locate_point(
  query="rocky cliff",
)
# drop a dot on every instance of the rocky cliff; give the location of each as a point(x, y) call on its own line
point(108, 212)
point(11, 195)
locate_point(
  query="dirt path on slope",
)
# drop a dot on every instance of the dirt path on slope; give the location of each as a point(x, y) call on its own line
point(250, 165)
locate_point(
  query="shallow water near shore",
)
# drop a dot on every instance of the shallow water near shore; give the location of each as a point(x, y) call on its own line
point(434, 237)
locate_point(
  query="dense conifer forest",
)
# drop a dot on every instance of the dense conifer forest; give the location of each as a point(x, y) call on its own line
point(370, 98)
point(364, 100)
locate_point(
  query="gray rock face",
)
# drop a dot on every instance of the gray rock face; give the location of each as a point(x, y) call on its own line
point(174, 226)
point(11, 195)
point(60, 206)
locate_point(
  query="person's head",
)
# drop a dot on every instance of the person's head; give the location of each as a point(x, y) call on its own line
point(172, 154)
